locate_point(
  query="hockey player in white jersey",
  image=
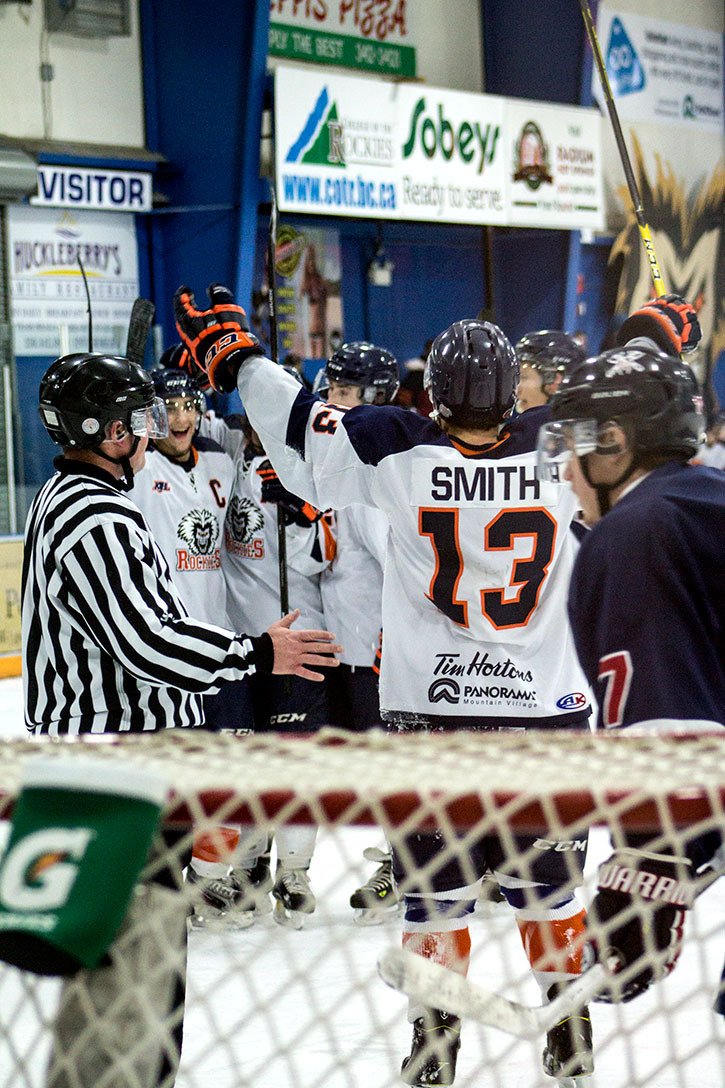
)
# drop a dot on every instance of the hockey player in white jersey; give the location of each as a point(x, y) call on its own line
point(352, 593)
point(183, 492)
point(251, 569)
point(477, 568)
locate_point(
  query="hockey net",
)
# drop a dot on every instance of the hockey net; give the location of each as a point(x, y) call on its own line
point(273, 1007)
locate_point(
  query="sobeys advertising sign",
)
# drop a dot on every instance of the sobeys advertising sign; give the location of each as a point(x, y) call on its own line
point(353, 147)
point(450, 156)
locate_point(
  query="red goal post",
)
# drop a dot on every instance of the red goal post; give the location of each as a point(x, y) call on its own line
point(319, 1004)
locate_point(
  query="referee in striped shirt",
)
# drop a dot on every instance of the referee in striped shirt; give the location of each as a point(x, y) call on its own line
point(108, 646)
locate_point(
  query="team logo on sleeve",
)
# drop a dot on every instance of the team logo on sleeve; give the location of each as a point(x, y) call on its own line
point(243, 522)
point(199, 530)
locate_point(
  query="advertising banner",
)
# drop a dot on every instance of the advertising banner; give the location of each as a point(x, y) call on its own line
point(555, 175)
point(354, 147)
point(661, 71)
point(46, 286)
point(11, 565)
point(370, 35)
point(309, 304)
point(335, 144)
point(451, 160)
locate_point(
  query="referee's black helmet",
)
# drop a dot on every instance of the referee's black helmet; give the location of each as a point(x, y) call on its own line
point(81, 394)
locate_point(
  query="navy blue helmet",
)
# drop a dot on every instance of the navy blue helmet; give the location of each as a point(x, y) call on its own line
point(654, 396)
point(373, 370)
point(81, 394)
point(471, 374)
point(550, 352)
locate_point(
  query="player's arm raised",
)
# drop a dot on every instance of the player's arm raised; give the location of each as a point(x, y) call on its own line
point(302, 436)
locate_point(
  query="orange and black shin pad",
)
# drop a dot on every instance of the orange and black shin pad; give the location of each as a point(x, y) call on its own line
point(555, 944)
point(450, 949)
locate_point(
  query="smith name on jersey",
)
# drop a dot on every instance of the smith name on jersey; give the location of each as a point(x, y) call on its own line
point(479, 552)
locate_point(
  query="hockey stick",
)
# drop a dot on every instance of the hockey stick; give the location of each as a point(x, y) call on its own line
point(644, 231)
point(440, 988)
point(139, 326)
point(274, 350)
point(88, 300)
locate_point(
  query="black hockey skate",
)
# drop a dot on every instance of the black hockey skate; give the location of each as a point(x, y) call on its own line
point(217, 903)
point(293, 897)
point(378, 897)
point(433, 1055)
point(568, 1053)
point(254, 885)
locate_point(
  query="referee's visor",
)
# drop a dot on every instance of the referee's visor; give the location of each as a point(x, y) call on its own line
point(151, 421)
point(558, 441)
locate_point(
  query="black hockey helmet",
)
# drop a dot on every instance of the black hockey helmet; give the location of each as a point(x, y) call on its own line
point(654, 396)
point(471, 374)
point(81, 394)
point(373, 370)
point(550, 352)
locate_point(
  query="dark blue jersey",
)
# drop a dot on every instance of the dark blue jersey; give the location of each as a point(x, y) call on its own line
point(647, 602)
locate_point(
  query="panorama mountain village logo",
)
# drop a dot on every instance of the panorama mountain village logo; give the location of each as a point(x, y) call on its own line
point(481, 681)
point(531, 163)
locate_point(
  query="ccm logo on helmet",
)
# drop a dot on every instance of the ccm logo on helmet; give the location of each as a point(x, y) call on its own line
point(575, 700)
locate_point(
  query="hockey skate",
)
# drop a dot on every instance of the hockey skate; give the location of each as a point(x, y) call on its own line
point(216, 903)
point(293, 897)
point(254, 885)
point(433, 1055)
point(568, 1053)
point(378, 897)
point(489, 896)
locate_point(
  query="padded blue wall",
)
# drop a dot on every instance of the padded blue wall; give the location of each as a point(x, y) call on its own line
point(204, 76)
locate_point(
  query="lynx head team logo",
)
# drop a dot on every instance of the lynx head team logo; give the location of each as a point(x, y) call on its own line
point(244, 519)
point(199, 531)
point(688, 239)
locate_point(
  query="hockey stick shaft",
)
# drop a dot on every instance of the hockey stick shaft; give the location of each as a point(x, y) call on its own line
point(274, 351)
point(644, 231)
point(440, 988)
point(88, 300)
point(139, 327)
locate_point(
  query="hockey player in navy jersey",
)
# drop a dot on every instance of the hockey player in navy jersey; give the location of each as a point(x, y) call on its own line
point(545, 357)
point(648, 591)
point(478, 562)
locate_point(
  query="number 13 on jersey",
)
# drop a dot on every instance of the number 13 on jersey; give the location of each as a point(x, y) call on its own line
point(502, 608)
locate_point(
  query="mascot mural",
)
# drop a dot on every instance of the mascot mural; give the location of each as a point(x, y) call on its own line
point(687, 230)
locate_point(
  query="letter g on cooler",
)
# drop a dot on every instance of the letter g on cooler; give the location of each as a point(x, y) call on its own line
point(39, 871)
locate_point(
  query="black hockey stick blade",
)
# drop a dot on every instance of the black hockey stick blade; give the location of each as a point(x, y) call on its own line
point(139, 326)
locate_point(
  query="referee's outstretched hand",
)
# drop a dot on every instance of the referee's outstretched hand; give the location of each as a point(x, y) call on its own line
point(295, 650)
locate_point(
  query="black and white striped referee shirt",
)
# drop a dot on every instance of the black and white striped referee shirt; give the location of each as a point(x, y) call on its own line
point(108, 645)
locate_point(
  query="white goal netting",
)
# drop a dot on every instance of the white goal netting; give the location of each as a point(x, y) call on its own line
point(271, 1006)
